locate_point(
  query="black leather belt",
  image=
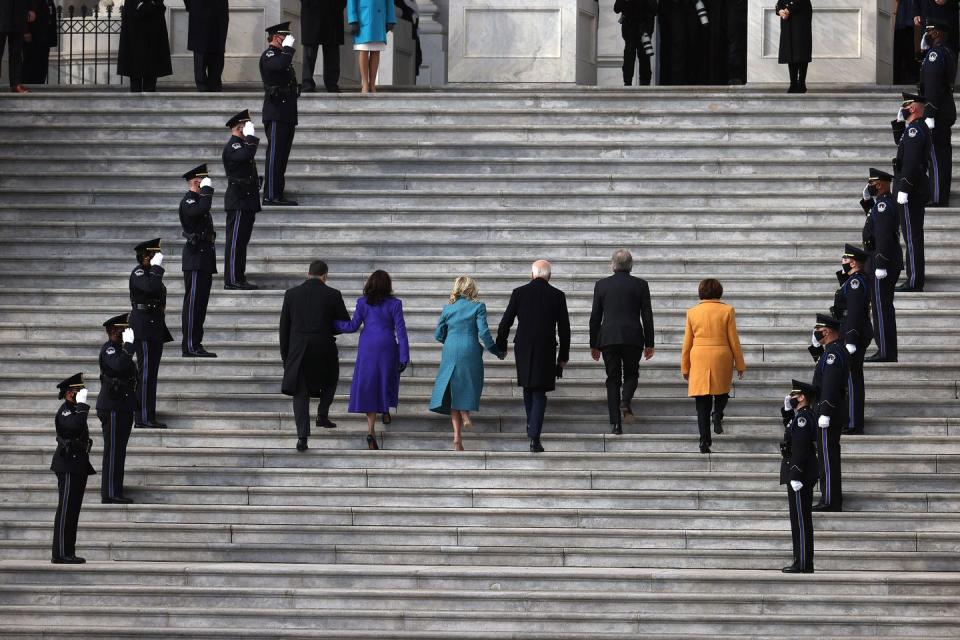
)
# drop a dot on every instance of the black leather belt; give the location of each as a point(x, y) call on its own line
point(146, 307)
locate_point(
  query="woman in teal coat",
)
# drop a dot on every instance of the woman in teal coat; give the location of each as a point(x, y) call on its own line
point(461, 328)
point(370, 20)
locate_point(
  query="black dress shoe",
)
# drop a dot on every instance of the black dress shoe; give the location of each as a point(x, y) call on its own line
point(704, 448)
point(535, 446)
point(280, 202)
point(627, 414)
point(333, 89)
point(795, 568)
point(199, 353)
point(301, 444)
point(857, 431)
point(67, 560)
point(116, 501)
point(150, 425)
point(878, 358)
point(826, 508)
point(617, 430)
point(250, 286)
point(717, 420)
point(372, 443)
point(908, 289)
point(324, 421)
point(240, 286)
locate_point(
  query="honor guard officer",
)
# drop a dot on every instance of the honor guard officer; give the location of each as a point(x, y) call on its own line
point(881, 236)
point(798, 471)
point(242, 200)
point(831, 378)
point(71, 463)
point(148, 297)
point(937, 74)
point(911, 184)
point(116, 403)
point(853, 304)
point(279, 110)
point(199, 259)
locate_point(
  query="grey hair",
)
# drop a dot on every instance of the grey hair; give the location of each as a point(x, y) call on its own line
point(621, 260)
point(540, 269)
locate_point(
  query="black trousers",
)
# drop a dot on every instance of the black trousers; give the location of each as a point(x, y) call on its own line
point(905, 67)
point(632, 53)
point(801, 525)
point(622, 362)
point(855, 388)
point(535, 403)
point(239, 230)
point(196, 296)
point(941, 164)
point(736, 35)
point(70, 487)
point(279, 143)
point(36, 63)
point(208, 70)
point(707, 405)
point(884, 314)
point(911, 227)
point(331, 65)
point(149, 353)
point(798, 74)
point(142, 84)
point(301, 405)
point(828, 446)
point(15, 59)
point(116, 426)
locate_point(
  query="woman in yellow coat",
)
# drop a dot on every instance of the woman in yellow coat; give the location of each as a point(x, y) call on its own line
point(711, 349)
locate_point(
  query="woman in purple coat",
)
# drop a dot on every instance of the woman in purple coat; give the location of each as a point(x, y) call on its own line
point(383, 352)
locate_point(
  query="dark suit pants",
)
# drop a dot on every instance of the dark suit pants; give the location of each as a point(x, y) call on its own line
point(622, 362)
point(208, 70)
point(36, 63)
point(70, 487)
point(331, 65)
point(941, 164)
point(239, 230)
point(116, 427)
point(196, 296)
point(15, 55)
point(855, 389)
point(884, 314)
point(632, 53)
point(279, 143)
point(736, 32)
point(144, 84)
point(905, 67)
point(301, 405)
point(911, 226)
point(707, 405)
point(801, 524)
point(149, 353)
point(535, 403)
point(828, 446)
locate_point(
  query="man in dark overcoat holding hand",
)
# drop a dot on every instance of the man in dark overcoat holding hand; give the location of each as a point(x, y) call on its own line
point(207, 38)
point(542, 311)
point(321, 26)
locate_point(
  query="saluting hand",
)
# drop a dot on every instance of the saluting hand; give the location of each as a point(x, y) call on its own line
point(206, 182)
point(82, 396)
point(248, 129)
point(127, 336)
point(156, 260)
point(288, 41)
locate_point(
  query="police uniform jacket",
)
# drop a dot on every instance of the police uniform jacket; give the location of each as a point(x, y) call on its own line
point(307, 343)
point(73, 440)
point(321, 22)
point(910, 165)
point(796, 32)
point(144, 48)
point(937, 73)
point(852, 305)
point(199, 253)
point(799, 452)
point(279, 85)
point(243, 183)
point(148, 297)
point(638, 17)
point(881, 233)
point(118, 378)
point(830, 376)
point(207, 27)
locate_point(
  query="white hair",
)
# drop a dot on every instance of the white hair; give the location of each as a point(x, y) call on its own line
point(621, 260)
point(540, 269)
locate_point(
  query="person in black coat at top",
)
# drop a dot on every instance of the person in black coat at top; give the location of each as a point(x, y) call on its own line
point(71, 463)
point(207, 38)
point(242, 200)
point(798, 471)
point(621, 330)
point(199, 259)
point(636, 26)
point(796, 40)
point(881, 236)
point(41, 36)
point(279, 110)
point(321, 26)
point(144, 50)
point(14, 15)
point(937, 75)
point(947, 12)
point(116, 403)
point(542, 312)
point(311, 366)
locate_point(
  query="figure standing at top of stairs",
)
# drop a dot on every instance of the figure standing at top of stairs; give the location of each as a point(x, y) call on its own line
point(280, 92)
point(71, 463)
point(798, 470)
point(636, 26)
point(321, 25)
point(370, 20)
point(796, 40)
point(13, 24)
point(207, 38)
point(144, 51)
point(116, 403)
point(199, 259)
point(242, 200)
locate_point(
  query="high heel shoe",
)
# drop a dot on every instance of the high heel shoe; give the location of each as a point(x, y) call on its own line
point(372, 443)
point(458, 445)
point(467, 422)
point(387, 418)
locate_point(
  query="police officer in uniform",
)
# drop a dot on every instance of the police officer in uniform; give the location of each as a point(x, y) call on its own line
point(881, 236)
point(852, 307)
point(242, 200)
point(798, 471)
point(199, 259)
point(71, 463)
point(937, 73)
point(831, 378)
point(911, 184)
point(148, 297)
point(116, 403)
point(279, 110)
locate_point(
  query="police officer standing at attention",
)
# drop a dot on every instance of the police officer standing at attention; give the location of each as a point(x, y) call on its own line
point(199, 259)
point(148, 297)
point(798, 471)
point(937, 73)
point(831, 378)
point(911, 184)
point(279, 110)
point(71, 463)
point(242, 200)
point(116, 403)
point(881, 235)
point(852, 303)
point(207, 38)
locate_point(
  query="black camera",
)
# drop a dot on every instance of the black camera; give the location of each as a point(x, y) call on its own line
point(647, 43)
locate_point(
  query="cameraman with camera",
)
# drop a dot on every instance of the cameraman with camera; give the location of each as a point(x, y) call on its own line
point(199, 259)
point(637, 21)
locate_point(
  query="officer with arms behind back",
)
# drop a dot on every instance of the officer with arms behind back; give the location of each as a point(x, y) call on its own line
point(798, 471)
point(116, 403)
point(881, 236)
point(911, 183)
point(852, 307)
point(242, 200)
point(199, 259)
point(71, 463)
point(831, 378)
point(279, 110)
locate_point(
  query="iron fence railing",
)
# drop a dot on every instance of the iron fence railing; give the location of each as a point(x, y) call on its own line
point(87, 41)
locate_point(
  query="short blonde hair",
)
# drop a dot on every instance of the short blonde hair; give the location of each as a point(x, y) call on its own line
point(464, 287)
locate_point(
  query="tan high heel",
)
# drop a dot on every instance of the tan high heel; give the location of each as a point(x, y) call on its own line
point(467, 422)
point(458, 445)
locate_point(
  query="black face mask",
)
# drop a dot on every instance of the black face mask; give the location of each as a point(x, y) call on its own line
point(905, 113)
point(872, 190)
point(846, 267)
point(794, 402)
point(818, 335)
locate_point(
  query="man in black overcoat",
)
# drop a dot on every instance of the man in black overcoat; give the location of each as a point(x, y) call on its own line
point(207, 38)
point(144, 51)
point(311, 367)
point(13, 24)
point(40, 37)
point(542, 311)
point(321, 25)
point(796, 40)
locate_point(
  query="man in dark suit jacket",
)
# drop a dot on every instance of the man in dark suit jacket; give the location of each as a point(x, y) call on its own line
point(311, 367)
point(542, 310)
point(621, 329)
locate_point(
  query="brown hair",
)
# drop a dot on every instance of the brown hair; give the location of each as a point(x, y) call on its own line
point(378, 287)
point(710, 289)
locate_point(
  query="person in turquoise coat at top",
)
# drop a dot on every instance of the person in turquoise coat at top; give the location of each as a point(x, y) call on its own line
point(370, 20)
point(461, 329)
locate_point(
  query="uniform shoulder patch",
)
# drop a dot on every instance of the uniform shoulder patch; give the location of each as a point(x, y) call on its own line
point(881, 206)
point(191, 201)
point(111, 351)
point(801, 422)
point(270, 54)
point(932, 57)
point(139, 272)
point(65, 413)
point(236, 145)
point(912, 132)
point(831, 358)
point(855, 283)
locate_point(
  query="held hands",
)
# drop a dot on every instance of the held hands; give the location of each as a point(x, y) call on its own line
point(127, 336)
point(248, 128)
point(288, 41)
point(902, 197)
point(851, 349)
point(156, 260)
point(823, 422)
point(796, 485)
point(206, 182)
point(82, 396)
point(354, 29)
point(880, 274)
point(403, 366)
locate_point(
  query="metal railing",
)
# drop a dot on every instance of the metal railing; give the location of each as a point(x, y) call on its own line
point(87, 42)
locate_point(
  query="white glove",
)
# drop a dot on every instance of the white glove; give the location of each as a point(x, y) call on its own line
point(900, 117)
point(796, 485)
point(930, 122)
point(823, 422)
point(248, 128)
point(925, 42)
point(288, 41)
point(82, 396)
point(902, 197)
point(866, 196)
point(851, 349)
point(786, 403)
point(813, 340)
point(156, 260)
point(127, 336)
point(880, 274)
point(206, 182)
